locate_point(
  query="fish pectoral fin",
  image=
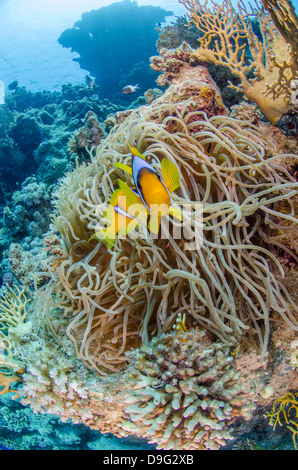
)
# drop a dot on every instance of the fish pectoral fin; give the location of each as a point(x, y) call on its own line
point(170, 175)
point(175, 212)
point(135, 151)
point(154, 223)
point(123, 167)
point(128, 228)
point(131, 197)
point(113, 200)
point(103, 236)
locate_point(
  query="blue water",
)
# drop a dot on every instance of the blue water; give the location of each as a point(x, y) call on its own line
point(29, 50)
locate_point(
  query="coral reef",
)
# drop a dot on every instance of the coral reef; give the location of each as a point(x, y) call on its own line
point(86, 137)
point(95, 34)
point(187, 77)
point(184, 339)
point(273, 59)
point(232, 285)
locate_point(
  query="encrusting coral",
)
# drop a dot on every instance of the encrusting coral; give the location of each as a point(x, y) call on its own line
point(188, 77)
point(231, 283)
point(226, 34)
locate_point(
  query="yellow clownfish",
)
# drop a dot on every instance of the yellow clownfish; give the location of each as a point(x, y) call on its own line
point(154, 192)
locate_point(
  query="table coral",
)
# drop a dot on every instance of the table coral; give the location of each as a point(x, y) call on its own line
point(226, 34)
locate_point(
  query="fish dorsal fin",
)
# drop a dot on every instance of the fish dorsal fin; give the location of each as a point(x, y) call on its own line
point(170, 175)
point(123, 167)
point(135, 151)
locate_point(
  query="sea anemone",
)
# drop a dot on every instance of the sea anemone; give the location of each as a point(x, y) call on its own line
point(230, 283)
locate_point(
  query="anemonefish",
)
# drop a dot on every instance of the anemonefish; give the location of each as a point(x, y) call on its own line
point(150, 195)
point(128, 89)
point(154, 191)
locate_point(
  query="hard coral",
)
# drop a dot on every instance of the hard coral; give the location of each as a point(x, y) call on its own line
point(86, 137)
point(184, 392)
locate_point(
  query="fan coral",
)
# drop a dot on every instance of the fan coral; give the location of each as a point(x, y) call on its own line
point(285, 409)
point(13, 312)
point(184, 392)
point(230, 284)
point(226, 34)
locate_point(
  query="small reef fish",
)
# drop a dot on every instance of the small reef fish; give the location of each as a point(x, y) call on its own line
point(89, 81)
point(150, 195)
point(128, 89)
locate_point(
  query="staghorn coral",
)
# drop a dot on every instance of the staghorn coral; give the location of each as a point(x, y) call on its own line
point(273, 60)
point(231, 283)
point(185, 392)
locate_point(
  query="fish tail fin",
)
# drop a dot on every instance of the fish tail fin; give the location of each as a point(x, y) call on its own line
point(170, 175)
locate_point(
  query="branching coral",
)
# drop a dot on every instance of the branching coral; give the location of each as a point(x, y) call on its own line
point(230, 284)
point(226, 34)
point(13, 312)
point(285, 410)
point(184, 392)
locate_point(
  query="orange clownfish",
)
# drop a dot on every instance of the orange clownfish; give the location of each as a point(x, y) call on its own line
point(151, 194)
point(154, 191)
